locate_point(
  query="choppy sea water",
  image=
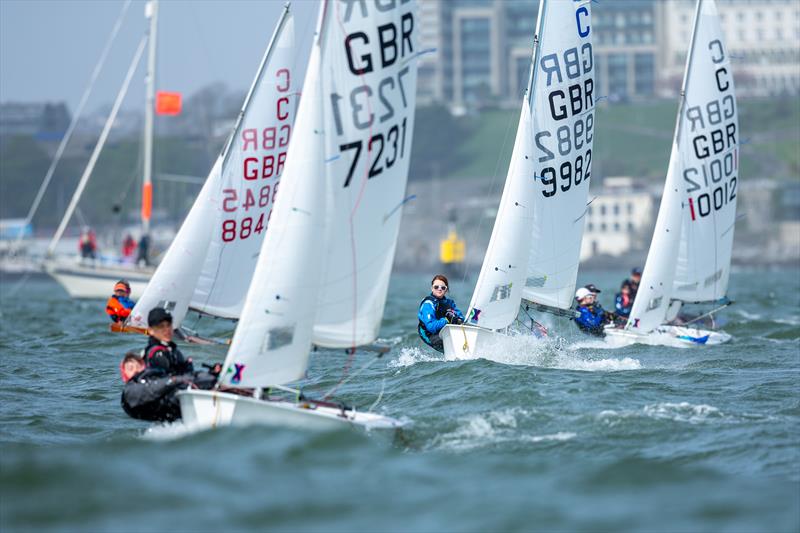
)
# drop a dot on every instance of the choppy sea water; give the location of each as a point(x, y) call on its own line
point(549, 435)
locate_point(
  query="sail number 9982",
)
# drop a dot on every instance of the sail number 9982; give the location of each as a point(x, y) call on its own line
point(567, 175)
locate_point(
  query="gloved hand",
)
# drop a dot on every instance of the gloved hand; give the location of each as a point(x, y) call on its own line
point(457, 321)
point(450, 315)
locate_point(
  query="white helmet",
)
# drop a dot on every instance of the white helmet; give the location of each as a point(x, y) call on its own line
point(582, 293)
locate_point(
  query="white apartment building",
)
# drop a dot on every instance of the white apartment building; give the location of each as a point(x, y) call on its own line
point(619, 219)
point(762, 37)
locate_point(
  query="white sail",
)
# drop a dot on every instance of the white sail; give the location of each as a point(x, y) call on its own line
point(252, 170)
point(563, 103)
point(704, 78)
point(711, 168)
point(369, 82)
point(173, 282)
point(208, 266)
point(653, 297)
point(273, 337)
point(495, 302)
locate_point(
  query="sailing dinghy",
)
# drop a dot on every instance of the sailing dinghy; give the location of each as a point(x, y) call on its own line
point(323, 271)
point(690, 255)
point(209, 265)
point(534, 250)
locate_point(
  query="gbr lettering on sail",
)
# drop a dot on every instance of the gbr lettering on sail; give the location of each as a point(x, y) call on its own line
point(711, 173)
point(564, 136)
point(370, 114)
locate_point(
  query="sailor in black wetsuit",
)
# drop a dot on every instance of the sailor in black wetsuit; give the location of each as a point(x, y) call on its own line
point(435, 312)
point(149, 393)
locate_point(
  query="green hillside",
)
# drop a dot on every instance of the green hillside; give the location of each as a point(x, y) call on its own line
point(630, 140)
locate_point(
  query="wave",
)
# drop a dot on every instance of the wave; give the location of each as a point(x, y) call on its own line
point(676, 412)
point(488, 429)
point(412, 355)
point(551, 352)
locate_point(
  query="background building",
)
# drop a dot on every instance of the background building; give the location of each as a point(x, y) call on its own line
point(483, 48)
point(619, 219)
point(762, 36)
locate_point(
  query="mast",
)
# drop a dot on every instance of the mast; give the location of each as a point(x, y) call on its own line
point(256, 80)
point(687, 70)
point(97, 149)
point(151, 12)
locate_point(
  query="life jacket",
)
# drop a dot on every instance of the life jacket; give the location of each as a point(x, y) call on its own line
point(441, 310)
point(116, 310)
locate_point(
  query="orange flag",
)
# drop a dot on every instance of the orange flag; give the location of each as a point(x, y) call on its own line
point(168, 103)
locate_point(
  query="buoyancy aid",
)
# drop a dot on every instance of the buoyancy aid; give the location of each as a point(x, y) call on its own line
point(118, 309)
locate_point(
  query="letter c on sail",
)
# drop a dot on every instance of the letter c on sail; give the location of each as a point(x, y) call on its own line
point(585, 31)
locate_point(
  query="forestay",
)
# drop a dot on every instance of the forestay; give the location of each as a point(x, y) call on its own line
point(211, 260)
point(369, 76)
point(563, 103)
point(252, 171)
point(273, 337)
point(710, 166)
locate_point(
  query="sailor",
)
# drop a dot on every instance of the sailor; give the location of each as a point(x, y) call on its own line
point(119, 305)
point(143, 257)
point(149, 393)
point(161, 352)
point(624, 301)
point(592, 316)
point(435, 312)
point(87, 243)
point(633, 281)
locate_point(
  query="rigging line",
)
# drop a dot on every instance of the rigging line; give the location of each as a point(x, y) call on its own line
point(492, 185)
point(347, 378)
point(71, 128)
point(380, 395)
point(98, 147)
point(353, 252)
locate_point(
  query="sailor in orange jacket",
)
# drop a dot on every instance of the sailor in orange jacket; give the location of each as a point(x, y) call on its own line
point(119, 305)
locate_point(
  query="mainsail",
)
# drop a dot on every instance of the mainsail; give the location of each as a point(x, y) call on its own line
point(711, 167)
point(273, 336)
point(346, 180)
point(211, 260)
point(535, 245)
point(697, 213)
point(369, 79)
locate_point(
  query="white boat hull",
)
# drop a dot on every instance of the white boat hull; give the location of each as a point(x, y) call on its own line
point(85, 281)
point(210, 409)
point(678, 336)
point(468, 342)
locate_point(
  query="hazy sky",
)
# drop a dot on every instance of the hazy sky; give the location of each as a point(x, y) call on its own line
point(48, 48)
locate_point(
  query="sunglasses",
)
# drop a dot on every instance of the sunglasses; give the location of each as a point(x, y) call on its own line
point(442, 287)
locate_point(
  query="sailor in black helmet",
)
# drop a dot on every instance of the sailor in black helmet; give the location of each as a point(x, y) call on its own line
point(161, 352)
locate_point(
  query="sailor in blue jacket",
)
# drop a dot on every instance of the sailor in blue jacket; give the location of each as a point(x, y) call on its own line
point(591, 316)
point(435, 312)
point(624, 300)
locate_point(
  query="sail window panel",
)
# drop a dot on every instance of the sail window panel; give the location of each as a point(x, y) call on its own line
point(278, 338)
